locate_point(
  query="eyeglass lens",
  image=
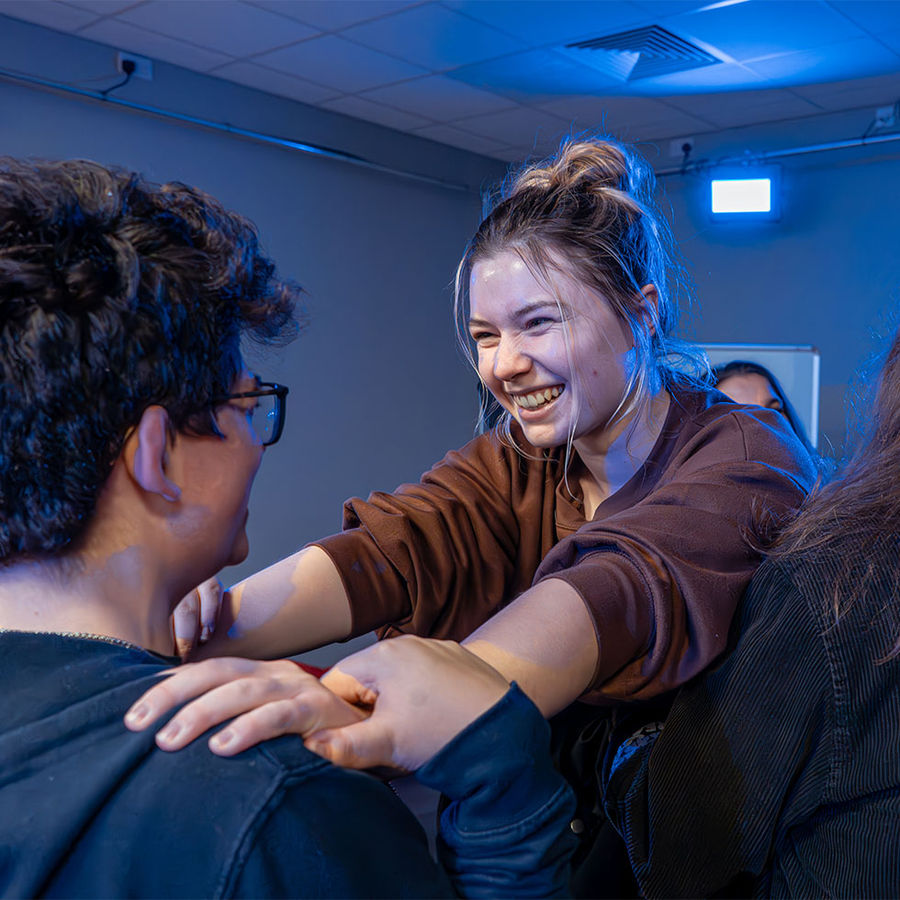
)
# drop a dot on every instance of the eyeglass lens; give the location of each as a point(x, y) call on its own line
point(265, 417)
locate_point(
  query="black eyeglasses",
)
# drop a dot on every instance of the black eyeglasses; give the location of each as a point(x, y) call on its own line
point(268, 413)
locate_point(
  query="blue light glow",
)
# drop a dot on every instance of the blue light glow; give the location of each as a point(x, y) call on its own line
point(741, 195)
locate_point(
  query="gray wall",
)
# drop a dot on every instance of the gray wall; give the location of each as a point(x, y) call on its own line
point(378, 389)
point(827, 274)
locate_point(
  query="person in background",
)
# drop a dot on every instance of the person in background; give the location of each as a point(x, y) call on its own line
point(130, 434)
point(592, 548)
point(749, 382)
point(777, 774)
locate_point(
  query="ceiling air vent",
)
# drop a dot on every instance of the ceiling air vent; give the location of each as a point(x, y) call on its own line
point(640, 53)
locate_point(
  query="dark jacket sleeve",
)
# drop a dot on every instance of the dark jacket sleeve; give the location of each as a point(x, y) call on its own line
point(506, 831)
point(745, 754)
point(439, 557)
point(663, 577)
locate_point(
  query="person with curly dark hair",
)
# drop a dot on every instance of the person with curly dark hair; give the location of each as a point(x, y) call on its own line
point(130, 433)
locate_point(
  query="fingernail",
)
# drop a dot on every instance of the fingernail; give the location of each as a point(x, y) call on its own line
point(169, 733)
point(137, 714)
point(205, 633)
point(221, 740)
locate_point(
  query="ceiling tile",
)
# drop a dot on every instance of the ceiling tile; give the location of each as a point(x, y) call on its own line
point(521, 126)
point(227, 26)
point(434, 37)
point(535, 77)
point(360, 108)
point(837, 62)
point(720, 77)
point(875, 16)
point(101, 7)
point(273, 82)
point(331, 15)
point(891, 39)
point(339, 64)
point(48, 13)
point(540, 24)
point(660, 9)
point(447, 134)
point(157, 46)
point(756, 29)
point(877, 91)
point(438, 98)
point(733, 108)
point(511, 154)
point(621, 116)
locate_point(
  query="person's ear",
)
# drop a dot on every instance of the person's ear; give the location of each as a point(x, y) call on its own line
point(651, 306)
point(149, 454)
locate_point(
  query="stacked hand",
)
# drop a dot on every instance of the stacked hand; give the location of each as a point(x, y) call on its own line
point(194, 619)
point(392, 705)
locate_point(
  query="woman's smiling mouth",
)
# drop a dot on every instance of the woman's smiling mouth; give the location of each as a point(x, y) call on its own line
point(539, 398)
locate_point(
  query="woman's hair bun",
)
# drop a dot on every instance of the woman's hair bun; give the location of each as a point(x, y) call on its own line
point(580, 166)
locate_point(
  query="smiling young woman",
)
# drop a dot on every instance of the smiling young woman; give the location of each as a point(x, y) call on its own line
point(594, 545)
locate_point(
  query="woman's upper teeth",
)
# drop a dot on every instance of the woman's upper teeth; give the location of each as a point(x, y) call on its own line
point(538, 398)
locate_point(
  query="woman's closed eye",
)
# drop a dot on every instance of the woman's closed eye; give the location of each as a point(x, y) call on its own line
point(538, 322)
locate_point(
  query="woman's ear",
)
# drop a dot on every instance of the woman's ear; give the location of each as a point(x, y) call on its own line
point(651, 306)
point(149, 455)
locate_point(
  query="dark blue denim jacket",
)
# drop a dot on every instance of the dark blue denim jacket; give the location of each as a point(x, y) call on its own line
point(89, 809)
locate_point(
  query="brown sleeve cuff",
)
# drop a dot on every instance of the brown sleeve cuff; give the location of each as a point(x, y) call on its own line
point(373, 586)
point(620, 605)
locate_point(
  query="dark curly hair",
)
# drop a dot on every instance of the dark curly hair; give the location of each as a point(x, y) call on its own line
point(115, 294)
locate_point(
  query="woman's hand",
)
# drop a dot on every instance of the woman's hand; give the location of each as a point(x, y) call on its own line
point(269, 699)
point(194, 619)
point(422, 693)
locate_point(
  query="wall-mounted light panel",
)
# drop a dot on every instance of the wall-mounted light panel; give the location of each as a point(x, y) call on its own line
point(745, 194)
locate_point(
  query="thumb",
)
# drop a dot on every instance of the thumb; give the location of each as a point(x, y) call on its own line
point(348, 688)
point(186, 624)
point(359, 746)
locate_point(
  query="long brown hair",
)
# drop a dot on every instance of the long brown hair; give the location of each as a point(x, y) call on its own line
point(862, 501)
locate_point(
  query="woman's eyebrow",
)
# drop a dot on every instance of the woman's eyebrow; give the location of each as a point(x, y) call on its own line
point(526, 310)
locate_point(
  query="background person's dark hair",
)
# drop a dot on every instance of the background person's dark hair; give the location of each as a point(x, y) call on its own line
point(859, 508)
point(115, 294)
point(745, 367)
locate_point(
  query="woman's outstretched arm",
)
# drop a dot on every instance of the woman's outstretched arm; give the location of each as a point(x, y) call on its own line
point(294, 605)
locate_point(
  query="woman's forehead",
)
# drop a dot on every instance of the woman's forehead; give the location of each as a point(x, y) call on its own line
point(508, 279)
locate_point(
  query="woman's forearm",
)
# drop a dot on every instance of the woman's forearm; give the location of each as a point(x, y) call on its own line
point(545, 641)
point(294, 605)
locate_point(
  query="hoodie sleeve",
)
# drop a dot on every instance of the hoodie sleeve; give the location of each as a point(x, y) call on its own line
point(439, 557)
point(663, 577)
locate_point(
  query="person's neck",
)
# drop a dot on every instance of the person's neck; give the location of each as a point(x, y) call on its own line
point(609, 458)
point(120, 595)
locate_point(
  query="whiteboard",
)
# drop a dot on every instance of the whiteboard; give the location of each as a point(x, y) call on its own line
point(796, 366)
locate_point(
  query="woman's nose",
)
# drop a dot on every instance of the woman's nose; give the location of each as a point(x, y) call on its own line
point(509, 360)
